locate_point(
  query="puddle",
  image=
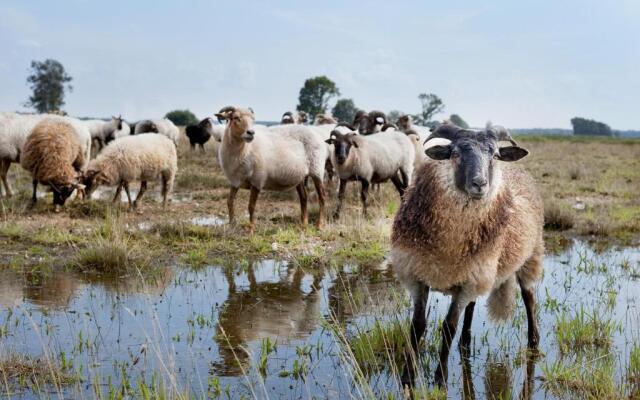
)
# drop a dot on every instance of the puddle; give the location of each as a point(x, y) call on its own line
point(196, 326)
point(208, 221)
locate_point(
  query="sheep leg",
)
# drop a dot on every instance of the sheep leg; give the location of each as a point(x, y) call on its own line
point(405, 178)
point(233, 191)
point(4, 169)
point(143, 188)
point(34, 198)
point(364, 195)
point(398, 184)
point(302, 194)
point(118, 191)
point(253, 199)
point(166, 186)
point(341, 190)
point(125, 185)
point(529, 298)
point(418, 325)
point(468, 388)
point(449, 327)
point(319, 185)
point(202, 148)
point(465, 336)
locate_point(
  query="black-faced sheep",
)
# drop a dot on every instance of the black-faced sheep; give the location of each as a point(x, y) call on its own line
point(54, 156)
point(371, 159)
point(143, 157)
point(469, 225)
point(278, 158)
point(200, 133)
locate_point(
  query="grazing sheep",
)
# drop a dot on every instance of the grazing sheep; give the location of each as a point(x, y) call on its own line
point(469, 225)
point(54, 156)
point(144, 157)
point(14, 130)
point(162, 126)
point(278, 158)
point(371, 159)
point(102, 132)
point(200, 133)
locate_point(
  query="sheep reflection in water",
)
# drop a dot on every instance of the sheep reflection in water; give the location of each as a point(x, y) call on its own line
point(281, 311)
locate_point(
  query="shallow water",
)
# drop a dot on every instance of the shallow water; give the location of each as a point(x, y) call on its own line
point(190, 327)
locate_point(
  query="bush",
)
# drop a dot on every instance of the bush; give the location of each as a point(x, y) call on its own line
point(182, 117)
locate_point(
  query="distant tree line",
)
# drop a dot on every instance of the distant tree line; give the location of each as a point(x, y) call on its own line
point(589, 127)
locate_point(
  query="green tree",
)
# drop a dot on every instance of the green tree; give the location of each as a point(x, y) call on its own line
point(48, 81)
point(315, 95)
point(431, 105)
point(457, 120)
point(344, 110)
point(589, 127)
point(182, 117)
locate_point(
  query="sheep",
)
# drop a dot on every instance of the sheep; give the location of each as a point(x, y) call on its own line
point(102, 132)
point(162, 126)
point(14, 130)
point(278, 158)
point(200, 133)
point(54, 156)
point(469, 225)
point(371, 159)
point(324, 119)
point(289, 118)
point(367, 123)
point(144, 157)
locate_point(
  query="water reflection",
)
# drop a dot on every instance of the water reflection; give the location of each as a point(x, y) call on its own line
point(281, 310)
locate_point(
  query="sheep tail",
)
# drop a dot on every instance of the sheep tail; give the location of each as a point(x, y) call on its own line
point(502, 301)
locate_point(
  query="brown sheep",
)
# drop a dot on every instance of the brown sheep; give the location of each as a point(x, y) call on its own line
point(470, 225)
point(54, 156)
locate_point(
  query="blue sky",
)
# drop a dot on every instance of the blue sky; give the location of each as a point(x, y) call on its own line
point(517, 63)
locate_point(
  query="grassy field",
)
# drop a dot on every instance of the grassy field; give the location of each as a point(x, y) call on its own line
point(591, 190)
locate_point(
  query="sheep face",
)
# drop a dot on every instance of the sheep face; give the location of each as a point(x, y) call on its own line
point(404, 123)
point(62, 193)
point(287, 118)
point(342, 145)
point(302, 117)
point(371, 122)
point(91, 179)
point(473, 159)
point(239, 123)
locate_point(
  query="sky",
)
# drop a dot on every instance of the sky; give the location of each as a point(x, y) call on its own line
point(522, 64)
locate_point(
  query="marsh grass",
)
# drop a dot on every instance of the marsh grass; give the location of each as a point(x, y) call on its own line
point(557, 218)
point(585, 378)
point(18, 371)
point(584, 331)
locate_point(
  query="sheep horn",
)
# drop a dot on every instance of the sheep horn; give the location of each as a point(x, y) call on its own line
point(346, 124)
point(444, 131)
point(389, 125)
point(502, 134)
point(335, 134)
point(223, 114)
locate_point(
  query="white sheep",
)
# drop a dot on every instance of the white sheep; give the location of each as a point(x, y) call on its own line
point(14, 130)
point(371, 159)
point(163, 126)
point(278, 158)
point(145, 157)
point(102, 132)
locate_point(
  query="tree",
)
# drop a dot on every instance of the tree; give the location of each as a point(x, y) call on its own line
point(182, 117)
point(48, 81)
point(431, 105)
point(589, 127)
point(394, 115)
point(315, 95)
point(457, 120)
point(344, 110)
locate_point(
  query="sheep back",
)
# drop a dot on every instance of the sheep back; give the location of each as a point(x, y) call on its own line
point(147, 157)
point(53, 153)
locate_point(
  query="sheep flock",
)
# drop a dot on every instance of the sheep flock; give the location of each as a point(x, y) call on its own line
point(469, 221)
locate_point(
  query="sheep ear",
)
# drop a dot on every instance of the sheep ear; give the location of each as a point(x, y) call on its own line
point(439, 152)
point(354, 144)
point(512, 153)
point(330, 141)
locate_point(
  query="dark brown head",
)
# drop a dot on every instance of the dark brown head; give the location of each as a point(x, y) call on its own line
point(287, 118)
point(61, 192)
point(372, 122)
point(342, 144)
point(473, 157)
point(404, 123)
point(91, 179)
point(302, 117)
